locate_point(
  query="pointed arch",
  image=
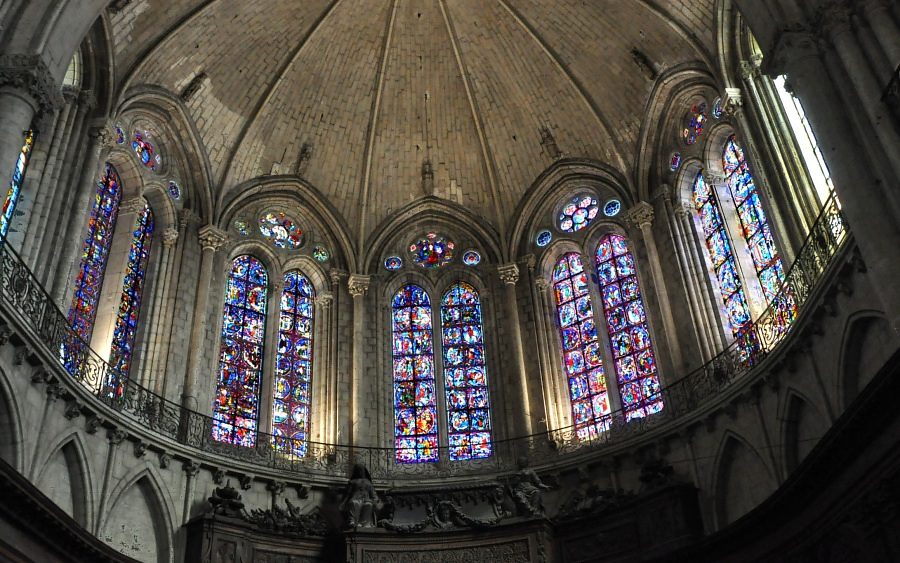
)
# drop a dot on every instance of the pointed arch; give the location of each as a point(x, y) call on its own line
point(415, 404)
point(293, 365)
point(741, 479)
point(71, 447)
point(802, 425)
point(465, 374)
point(147, 484)
point(865, 347)
point(11, 432)
point(235, 407)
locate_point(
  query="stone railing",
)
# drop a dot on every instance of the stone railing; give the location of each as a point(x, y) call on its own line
point(28, 307)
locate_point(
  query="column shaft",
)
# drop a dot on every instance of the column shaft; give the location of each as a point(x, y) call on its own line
point(522, 424)
point(358, 286)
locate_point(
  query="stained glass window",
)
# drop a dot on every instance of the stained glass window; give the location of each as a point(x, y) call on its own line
point(144, 150)
point(675, 161)
point(94, 253)
point(320, 254)
point(626, 324)
point(236, 404)
point(718, 110)
point(242, 227)
point(465, 379)
point(432, 251)
point(471, 258)
point(754, 224)
point(293, 367)
point(612, 208)
point(281, 230)
point(582, 358)
point(415, 411)
point(132, 290)
point(543, 238)
point(174, 190)
point(120, 136)
point(15, 185)
point(694, 122)
point(578, 213)
point(721, 256)
point(393, 263)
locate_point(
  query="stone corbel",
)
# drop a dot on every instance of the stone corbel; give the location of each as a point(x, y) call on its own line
point(140, 448)
point(165, 460)
point(246, 481)
point(93, 424)
point(190, 468)
point(73, 409)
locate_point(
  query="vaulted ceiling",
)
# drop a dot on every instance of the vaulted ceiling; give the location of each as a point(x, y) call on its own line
point(374, 88)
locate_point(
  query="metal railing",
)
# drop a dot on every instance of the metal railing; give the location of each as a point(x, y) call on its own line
point(22, 296)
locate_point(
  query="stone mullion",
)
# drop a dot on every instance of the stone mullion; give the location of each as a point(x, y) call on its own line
point(99, 140)
point(48, 145)
point(211, 239)
point(641, 216)
point(320, 402)
point(688, 283)
point(334, 400)
point(518, 377)
point(265, 387)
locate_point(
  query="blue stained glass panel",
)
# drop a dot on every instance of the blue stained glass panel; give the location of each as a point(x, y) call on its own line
point(627, 326)
point(235, 407)
point(465, 382)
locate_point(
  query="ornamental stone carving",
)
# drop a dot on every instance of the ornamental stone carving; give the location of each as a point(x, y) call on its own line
point(358, 285)
point(509, 273)
point(170, 236)
point(641, 215)
point(29, 73)
point(360, 501)
point(212, 238)
point(527, 490)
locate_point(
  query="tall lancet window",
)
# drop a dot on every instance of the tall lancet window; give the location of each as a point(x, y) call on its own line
point(132, 290)
point(15, 185)
point(465, 377)
point(94, 255)
point(721, 255)
point(582, 359)
point(415, 412)
point(236, 405)
point(293, 365)
point(754, 225)
point(626, 323)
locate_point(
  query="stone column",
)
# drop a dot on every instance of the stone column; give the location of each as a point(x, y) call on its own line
point(26, 88)
point(836, 27)
point(554, 400)
point(358, 286)
point(641, 216)
point(266, 388)
point(323, 403)
point(334, 426)
point(885, 29)
point(161, 365)
point(211, 239)
point(518, 376)
point(856, 181)
point(157, 309)
point(66, 259)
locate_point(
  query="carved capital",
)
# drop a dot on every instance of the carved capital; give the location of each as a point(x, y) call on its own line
point(170, 236)
point(749, 70)
point(358, 285)
point(323, 300)
point(683, 209)
point(793, 48)
point(28, 73)
point(641, 215)
point(102, 136)
point(212, 237)
point(87, 100)
point(833, 19)
point(732, 102)
point(509, 273)
point(542, 285)
point(134, 206)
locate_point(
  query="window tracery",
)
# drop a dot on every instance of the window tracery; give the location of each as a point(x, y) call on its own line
point(578, 213)
point(432, 251)
point(145, 151)
point(281, 230)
